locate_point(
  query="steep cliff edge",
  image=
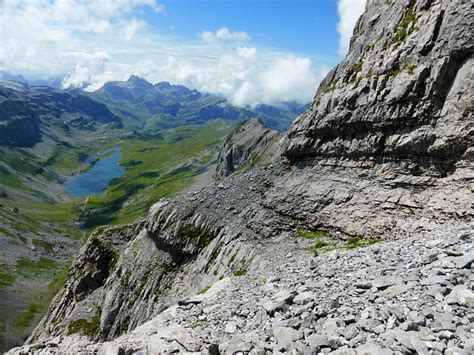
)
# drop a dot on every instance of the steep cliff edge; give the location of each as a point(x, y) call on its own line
point(385, 151)
point(403, 93)
point(250, 145)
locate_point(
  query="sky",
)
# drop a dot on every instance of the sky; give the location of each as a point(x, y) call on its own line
point(251, 51)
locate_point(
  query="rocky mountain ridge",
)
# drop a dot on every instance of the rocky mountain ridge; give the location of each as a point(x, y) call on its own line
point(250, 145)
point(385, 151)
point(146, 106)
point(28, 113)
point(54, 82)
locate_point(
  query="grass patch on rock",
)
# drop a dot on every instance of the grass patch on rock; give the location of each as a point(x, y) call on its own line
point(406, 26)
point(23, 320)
point(323, 243)
point(204, 290)
point(88, 328)
point(43, 244)
point(311, 234)
point(6, 278)
point(357, 242)
point(242, 271)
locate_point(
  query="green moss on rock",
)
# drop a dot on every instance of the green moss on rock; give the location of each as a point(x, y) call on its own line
point(202, 237)
point(88, 328)
point(406, 25)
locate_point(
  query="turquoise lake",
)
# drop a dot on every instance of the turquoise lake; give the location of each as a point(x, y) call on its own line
point(95, 180)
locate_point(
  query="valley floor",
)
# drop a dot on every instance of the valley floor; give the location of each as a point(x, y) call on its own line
point(408, 296)
point(41, 227)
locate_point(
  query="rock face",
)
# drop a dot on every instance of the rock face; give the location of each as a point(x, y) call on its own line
point(402, 94)
point(29, 112)
point(251, 144)
point(384, 151)
point(18, 124)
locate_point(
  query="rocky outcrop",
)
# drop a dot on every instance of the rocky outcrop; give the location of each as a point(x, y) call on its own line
point(21, 131)
point(18, 124)
point(385, 151)
point(26, 113)
point(362, 301)
point(403, 93)
point(251, 144)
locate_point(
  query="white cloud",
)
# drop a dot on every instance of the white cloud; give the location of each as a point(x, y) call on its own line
point(93, 42)
point(243, 79)
point(224, 34)
point(96, 26)
point(247, 53)
point(131, 28)
point(89, 69)
point(349, 12)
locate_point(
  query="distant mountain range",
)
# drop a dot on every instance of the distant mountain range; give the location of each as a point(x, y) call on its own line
point(145, 106)
point(142, 105)
point(51, 82)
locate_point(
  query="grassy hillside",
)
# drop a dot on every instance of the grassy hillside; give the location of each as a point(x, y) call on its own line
point(155, 167)
point(41, 227)
point(37, 237)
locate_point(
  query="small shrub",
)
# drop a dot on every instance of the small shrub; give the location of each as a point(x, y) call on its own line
point(323, 247)
point(6, 279)
point(43, 244)
point(354, 242)
point(357, 242)
point(320, 244)
point(24, 319)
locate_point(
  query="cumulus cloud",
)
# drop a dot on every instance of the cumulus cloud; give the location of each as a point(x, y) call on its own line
point(89, 69)
point(245, 76)
point(38, 35)
point(130, 28)
point(247, 53)
point(92, 42)
point(349, 12)
point(224, 34)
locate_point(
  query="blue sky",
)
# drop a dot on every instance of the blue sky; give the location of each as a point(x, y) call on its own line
point(259, 51)
point(299, 26)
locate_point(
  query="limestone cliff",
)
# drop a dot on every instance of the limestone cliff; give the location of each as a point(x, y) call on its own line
point(384, 151)
point(250, 145)
point(404, 92)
